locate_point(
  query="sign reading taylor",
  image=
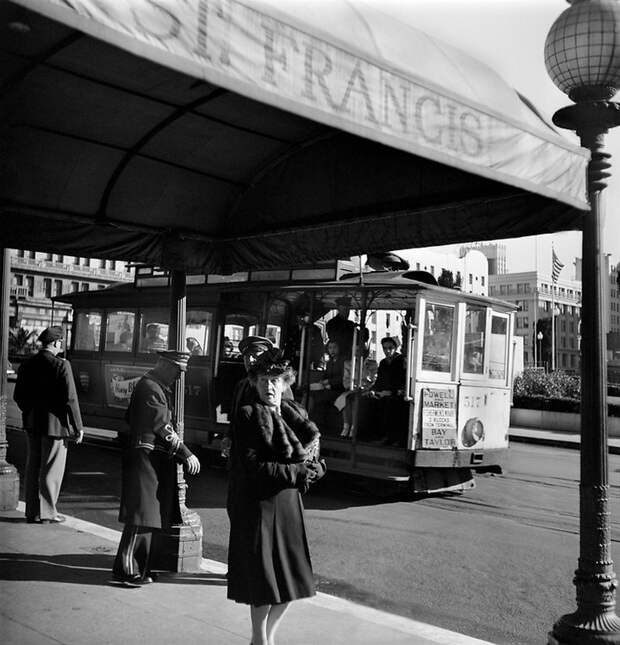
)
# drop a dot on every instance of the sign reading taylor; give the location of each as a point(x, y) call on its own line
point(439, 417)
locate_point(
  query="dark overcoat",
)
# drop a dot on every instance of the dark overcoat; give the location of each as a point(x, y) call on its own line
point(45, 393)
point(268, 555)
point(149, 491)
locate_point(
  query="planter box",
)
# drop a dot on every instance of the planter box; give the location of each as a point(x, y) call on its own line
point(563, 421)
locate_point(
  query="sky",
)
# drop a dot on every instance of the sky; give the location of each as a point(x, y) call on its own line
point(509, 36)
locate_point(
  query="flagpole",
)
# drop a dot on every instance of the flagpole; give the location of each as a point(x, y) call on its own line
point(553, 287)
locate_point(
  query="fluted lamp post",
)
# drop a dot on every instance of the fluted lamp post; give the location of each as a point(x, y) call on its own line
point(582, 56)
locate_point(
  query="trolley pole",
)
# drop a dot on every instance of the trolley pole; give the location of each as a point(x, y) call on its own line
point(180, 547)
point(9, 479)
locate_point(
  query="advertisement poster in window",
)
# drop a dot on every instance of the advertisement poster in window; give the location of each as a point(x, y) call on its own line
point(120, 381)
point(439, 417)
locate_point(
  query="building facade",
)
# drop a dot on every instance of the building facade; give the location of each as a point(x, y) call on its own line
point(495, 253)
point(536, 296)
point(37, 277)
point(470, 271)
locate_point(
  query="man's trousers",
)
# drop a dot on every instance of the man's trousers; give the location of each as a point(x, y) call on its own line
point(45, 468)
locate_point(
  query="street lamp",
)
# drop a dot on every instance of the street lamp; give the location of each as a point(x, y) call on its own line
point(539, 337)
point(582, 55)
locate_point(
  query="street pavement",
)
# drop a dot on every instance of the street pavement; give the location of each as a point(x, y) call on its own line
point(56, 588)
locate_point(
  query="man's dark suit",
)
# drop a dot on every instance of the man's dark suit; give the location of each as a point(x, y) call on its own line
point(45, 393)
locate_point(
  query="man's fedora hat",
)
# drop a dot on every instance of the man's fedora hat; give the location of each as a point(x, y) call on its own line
point(255, 343)
point(177, 358)
point(50, 335)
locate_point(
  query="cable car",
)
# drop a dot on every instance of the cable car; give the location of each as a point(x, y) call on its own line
point(446, 417)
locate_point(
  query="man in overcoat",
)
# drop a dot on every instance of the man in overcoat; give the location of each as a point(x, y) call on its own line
point(45, 393)
point(149, 481)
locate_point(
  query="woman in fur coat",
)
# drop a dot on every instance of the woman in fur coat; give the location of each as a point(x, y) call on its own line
point(275, 460)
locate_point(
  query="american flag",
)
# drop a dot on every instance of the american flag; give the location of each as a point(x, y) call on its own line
point(556, 266)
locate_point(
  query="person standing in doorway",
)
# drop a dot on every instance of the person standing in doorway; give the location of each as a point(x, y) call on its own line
point(45, 393)
point(149, 480)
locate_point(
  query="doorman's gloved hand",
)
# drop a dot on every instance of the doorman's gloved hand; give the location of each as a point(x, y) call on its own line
point(192, 465)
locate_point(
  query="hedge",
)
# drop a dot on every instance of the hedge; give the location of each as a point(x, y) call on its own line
point(555, 392)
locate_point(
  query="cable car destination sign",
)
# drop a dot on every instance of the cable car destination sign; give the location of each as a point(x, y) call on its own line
point(269, 53)
point(438, 417)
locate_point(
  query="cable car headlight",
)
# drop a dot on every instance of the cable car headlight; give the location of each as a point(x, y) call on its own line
point(472, 433)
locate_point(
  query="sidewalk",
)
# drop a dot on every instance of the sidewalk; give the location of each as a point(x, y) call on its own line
point(555, 438)
point(56, 590)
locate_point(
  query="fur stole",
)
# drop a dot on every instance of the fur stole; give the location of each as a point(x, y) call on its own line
point(289, 435)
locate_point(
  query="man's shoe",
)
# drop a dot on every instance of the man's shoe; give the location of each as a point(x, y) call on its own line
point(33, 520)
point(55, 520)
point(133, 581)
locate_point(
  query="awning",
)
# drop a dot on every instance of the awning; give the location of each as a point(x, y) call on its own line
point(214, 135)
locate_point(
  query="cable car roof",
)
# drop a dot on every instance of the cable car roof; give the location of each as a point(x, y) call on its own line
point(215, 137)
point(379, 290)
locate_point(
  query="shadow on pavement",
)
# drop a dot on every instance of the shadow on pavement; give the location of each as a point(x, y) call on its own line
point(86, 569)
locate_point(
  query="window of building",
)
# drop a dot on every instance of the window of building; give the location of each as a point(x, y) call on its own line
point(32, 255)
point(112, 265)
point(86, 262)
point(437, 342)
point(387, 320)
point(471, 279)
point(526, 305)
point(60, 258)
point(563, 325)
point(482, 280)
point(57, 287)
point(76, 260)
point(19, 279)
point(47, 287)
point(30, 285)
point(75, 286)
point(20, 253)
point(49, 256)
point(100, 286)
point(519, 288)
point(417, 266)
point(85, 286)
point(87, 331)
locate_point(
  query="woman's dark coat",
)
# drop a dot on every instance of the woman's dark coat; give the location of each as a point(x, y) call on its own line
point(268, 556)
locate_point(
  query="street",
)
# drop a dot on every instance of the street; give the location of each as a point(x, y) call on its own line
point(495, 563)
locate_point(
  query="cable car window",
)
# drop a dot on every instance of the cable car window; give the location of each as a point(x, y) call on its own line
point(119, 331)
point(87, 331)
point(236, 328)
point(154, 331)
point(497, 347)
point(198, 332)
point(475, 338)
point(437, 343)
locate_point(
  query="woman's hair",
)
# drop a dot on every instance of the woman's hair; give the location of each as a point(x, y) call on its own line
point(272, 363)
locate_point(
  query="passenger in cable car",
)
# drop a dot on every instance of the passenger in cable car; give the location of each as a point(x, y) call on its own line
point(385, 411)
point(154, 341)
point(329, 385)
point(345, 401)
point(193, 346)
point(339, 328)
point(315, 344)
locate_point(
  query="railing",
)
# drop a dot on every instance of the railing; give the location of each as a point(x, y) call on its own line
point(19, 292)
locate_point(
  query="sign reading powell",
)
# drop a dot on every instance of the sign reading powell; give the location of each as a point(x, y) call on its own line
point(438, 417)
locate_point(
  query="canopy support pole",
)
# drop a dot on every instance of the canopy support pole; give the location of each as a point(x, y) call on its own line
point(9, 478)
point(179, 548)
